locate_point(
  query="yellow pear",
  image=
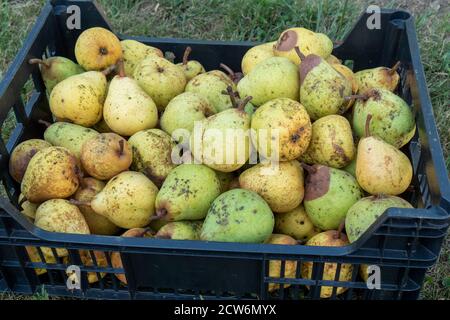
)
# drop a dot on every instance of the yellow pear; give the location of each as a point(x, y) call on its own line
point(255, 55)
point(295, 223)
point(28, 208)
point(21, 156)
point(134, 52)
point(87, 259)
point(333, 60)
point(191, 68)
point(350, 76)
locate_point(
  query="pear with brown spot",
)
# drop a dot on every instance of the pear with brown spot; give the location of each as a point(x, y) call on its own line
point(21, 156)
point(380, 77)
point(295, 223)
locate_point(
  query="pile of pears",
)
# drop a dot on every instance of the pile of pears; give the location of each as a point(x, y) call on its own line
point(327, 139)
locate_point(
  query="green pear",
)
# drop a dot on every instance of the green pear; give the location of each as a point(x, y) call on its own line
point(180, 230)
point(52, 173)
point(367, 210)
point(281, 129)
point(255, 55)
point(378, 78)
point(68, 135)
point(152, 151)
point(295, 223)
point(134, 52)
point(210, 86)
point(273, 78)
point(191, 68)
point(79, 98)
point(160, 79)
point(331, 142)
point(392, 118)
point(281, 186)
point(329, 193)
point(56, 69)
point(127, 200)
point(21, 156)
point(187, 193)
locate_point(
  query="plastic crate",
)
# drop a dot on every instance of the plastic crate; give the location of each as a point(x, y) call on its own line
point(403, 242)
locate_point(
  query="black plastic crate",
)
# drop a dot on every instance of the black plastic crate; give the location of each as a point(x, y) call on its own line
point(403, 242)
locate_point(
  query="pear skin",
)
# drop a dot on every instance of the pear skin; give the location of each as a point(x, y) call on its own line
point(21, 156)
point(378, 78)
point(255, 55)
point(134, 52)
point(295, 223)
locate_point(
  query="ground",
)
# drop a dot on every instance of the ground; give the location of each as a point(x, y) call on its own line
point(262, 21)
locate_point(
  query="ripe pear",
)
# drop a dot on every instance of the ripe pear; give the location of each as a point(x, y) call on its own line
point(281, 129)
point(378, 78)
point(392, 118)
point(210, 86)
point(128, 109)
point(180, 230)
point(191, 68)
point(333, 60)
point(273, 78)
point(329, 193)
point(34, 256)
point(98, 224)
point(184, 110)
point(68, 135)
point(367, 210)
point(134, 52)
point(160, 79)
point(350, 76)
point(106, 155)
point(97, 48)
point(152, 150)
point(238, 215)
point(295, 223)
point(290, 267)
point(255, 55)
point(127, 200)
point(308, 41)
point(281, 186)
point(52, 173)
point(331, 142)
point(21, 156)
point(380, 167)
point(187, 193)
point(28, 208)
point(79, 98)
point(56, 69)
point(331, 238)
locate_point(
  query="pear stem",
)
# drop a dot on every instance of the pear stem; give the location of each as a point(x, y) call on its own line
point(140, 235)
point(231, 73)
point(45, 123)
point(339, 230)
point(394, 68)
point(121, 144)
point(110, 69)
point(186, 54)
point(244, 102)
point(232, 96)
point(121, 66)
point(299, 53)
point(80, 203)
point(308, 168)
point(39, 61)
point(367, 127)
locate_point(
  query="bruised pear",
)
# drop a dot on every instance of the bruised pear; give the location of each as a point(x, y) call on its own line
point(21, 156)
point(329, 193)
point(134, 52)
point(295, 223)
point(180, 230)
point(280, 184)
point(238, 215)
point(52, 173)
point(191, 68)
point(378, 78)
point(187, 193)
point(255, 55)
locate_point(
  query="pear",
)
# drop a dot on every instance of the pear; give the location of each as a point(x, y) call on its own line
point(255, 55)
point(56, 69)
point(322, 88)
point(295, 223)
point(290, 267)
point(68, 135)
point(331, 142)
point(191, 68)
point(380, 167)
point(58, 215)
point(180, 230)
point(333, 60)
point(183, 111)
point(160, 79)
point(152, 150)
point(308, 41)
point(281, 129)
point(21, 156)
point(222, 141)
point(79, 98)
point(128, 109)
point(367, 210)
point(210, 86)
point(87, 259)
point(34, 256)
point(127, 200)
point(238, 215)
point(97, 48)
point(106, 155)
point(350, 76)
point(273, 78)
point(28, 208)
point(331, 238)
point(280, 186)
point(329, 193)
point(187, 193)
point(134, 52)
point(378, 78)
point(52, 173)
point(392, 118)
point(98, 224)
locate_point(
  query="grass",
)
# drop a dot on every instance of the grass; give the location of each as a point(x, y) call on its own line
point(263, 20)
